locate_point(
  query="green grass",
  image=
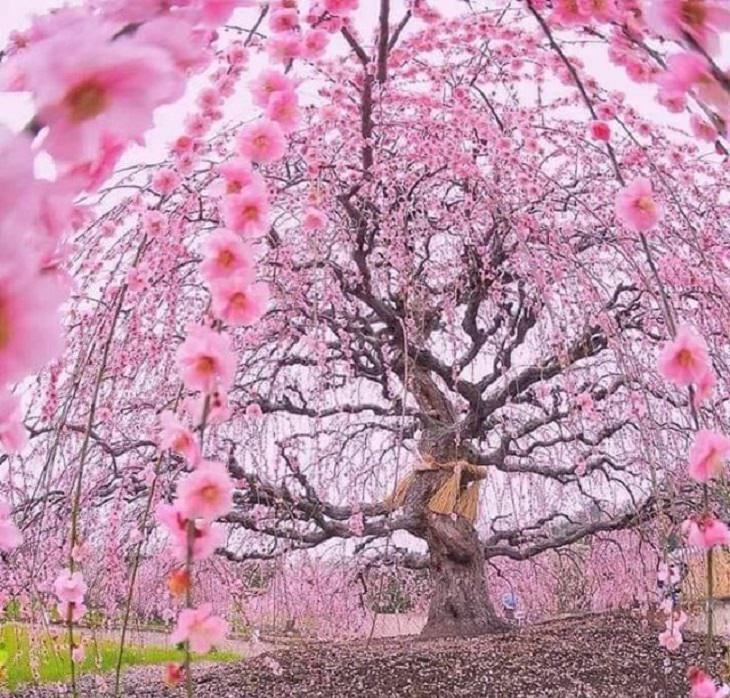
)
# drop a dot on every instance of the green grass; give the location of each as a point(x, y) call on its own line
point(50, 655)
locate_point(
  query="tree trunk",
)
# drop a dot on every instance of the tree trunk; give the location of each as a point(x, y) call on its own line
point(460, 604)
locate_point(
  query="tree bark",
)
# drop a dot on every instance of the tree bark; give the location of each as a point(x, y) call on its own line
point(460, 604)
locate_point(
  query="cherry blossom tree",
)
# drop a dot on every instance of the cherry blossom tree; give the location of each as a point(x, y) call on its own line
point(436, 281)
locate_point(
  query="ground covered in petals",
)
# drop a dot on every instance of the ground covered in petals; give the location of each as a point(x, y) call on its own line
point(593, 656)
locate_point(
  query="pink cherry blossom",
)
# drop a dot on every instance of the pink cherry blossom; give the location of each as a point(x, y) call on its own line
point(13, 437)
point(313, 219)
point(702, 686)
point(700, 19)
point(85, 87)
point(268, 83)
point(200, 628)
point(205, 538)
point(165, 181)
point(178, 438)
point(186, 47)
point(247, 212)
point(685, 359)
point(70, 587)
point(205, 360)
point(340, 7)
point(253, 410)
point(10, 536)
point(237, 174)
point(238, 303)
point(687, 71)
point(314, 43)
point(261, 142)
point(705, 531)
point(30, 332)
point(154, 223)
point(206, 493)
point(283, 108)
point(636, 206)
point(226, 255)
point(708, 455)
point(284, 48)
point(174, 674)
point(217, 12)
point(600, 131)
point(570, 12)
point(284, 20)
point(704, 387)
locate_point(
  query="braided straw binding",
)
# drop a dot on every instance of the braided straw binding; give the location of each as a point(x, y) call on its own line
point(449, 498)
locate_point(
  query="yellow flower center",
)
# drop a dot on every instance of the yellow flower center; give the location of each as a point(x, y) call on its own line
point(250, 212)
point(260, 141)
point(239, 300)
point(233, 187)
point(225, 258)
point(209, 493)
point(685, 358)
point(646, 204)
point(206, 364)
point(85, 101)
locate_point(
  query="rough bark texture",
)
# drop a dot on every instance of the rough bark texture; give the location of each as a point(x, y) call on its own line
point(460, 604)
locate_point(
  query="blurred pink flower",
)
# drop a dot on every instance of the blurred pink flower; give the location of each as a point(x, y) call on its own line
point(283, 108)
point(206, 493)
point(600, 131)
point(314, 43)
point(313, 219)
point(636, 207)
point(268, 83)
point(205, 360)
point(165, 181)
point(671, 638)
point(702, 686)
point(30, 332)
point(700, 19)
point(77, 610)
point(238, 303)
point(237, 174)
point(340, 7)
point(205, 539)
point(70, 587)
point(200, 628)
point(178, 438)
point(226, 255)
point(685, 359)
point(247, 212)
point(261, 141)
point(707, 455)
point(705, 531)
point(85, 87)
point(13, 436)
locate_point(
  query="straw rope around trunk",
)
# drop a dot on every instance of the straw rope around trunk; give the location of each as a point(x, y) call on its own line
point(453, 496)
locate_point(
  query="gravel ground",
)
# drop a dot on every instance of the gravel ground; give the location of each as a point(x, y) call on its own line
point(613, 656)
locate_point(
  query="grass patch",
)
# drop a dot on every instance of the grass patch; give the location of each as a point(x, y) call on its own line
point(21, 651)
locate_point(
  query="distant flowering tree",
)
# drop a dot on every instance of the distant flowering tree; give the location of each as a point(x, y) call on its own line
point(461, 270)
